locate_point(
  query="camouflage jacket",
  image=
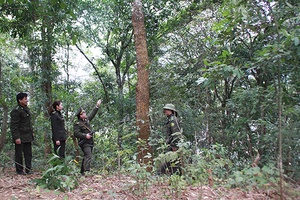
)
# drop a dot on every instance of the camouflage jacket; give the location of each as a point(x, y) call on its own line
point(83, 127)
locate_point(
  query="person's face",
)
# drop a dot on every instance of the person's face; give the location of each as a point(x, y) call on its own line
point(23, 102)
point(83, 115)
point(167, 112)
point(59, 107)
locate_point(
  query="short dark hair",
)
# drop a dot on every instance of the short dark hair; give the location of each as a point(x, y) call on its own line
point(21, 96)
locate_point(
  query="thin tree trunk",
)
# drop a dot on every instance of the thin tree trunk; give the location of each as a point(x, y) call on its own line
point(4, 114)
point(142, 88)
point(67, 87)
point(279, 104)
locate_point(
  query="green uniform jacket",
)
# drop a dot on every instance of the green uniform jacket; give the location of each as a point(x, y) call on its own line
point(20, 124)
point(58, 127)
point(173, 131)
point(83, 127)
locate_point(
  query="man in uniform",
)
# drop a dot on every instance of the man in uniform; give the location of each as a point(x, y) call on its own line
point(172, 126)
point(22, 134)
point(173, 132)
point(83, 131)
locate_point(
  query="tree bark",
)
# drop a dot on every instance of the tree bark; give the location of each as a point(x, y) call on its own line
point(46, 69)
point(142, 88)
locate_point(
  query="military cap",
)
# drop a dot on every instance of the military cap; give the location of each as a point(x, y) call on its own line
point(79, 111)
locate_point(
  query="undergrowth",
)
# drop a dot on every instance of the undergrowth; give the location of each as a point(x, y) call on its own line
point(60, 174)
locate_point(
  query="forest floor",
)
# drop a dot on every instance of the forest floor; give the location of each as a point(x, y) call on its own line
point(13, 186)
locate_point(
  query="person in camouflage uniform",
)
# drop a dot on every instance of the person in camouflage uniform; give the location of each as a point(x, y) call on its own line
point(22, 134)
point(173, 134)
point(172, 127)
point(83, 131)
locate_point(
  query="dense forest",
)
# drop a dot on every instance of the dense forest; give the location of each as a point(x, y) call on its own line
point(231, 68)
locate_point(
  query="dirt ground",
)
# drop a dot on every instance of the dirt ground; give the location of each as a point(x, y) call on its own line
point(121, 187)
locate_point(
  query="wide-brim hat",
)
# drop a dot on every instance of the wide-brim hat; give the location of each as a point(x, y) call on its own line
point(170, 106)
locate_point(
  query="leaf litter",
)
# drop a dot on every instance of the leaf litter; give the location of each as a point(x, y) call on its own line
point(122, 187)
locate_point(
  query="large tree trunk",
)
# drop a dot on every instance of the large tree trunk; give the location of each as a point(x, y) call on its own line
point(142, 88)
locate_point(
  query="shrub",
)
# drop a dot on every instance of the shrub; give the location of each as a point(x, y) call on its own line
point(254, 177)
point(60, 175)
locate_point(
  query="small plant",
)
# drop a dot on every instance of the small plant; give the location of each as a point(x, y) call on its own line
point(209, 166)
point(141, 175)
point(177, 184)
point(60, 175)
point(140, 170)
point(254, 177)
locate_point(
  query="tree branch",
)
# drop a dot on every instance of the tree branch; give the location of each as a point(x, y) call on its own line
point(98, 74)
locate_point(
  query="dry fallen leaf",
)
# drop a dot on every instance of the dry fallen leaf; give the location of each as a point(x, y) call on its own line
point(121, 187)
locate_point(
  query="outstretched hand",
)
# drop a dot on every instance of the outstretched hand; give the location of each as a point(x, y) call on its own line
point(99, 102)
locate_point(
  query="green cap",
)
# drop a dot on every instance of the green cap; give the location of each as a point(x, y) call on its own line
point(79, 111)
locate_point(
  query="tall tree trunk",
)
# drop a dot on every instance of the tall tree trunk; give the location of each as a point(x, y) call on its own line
point(4, 113)
point(142, 88)
point(46, 85)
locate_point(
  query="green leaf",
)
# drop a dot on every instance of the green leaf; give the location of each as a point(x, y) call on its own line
point(285, 33)
point(225, 53)
point(239, 179)
point(205, 61)
point(226, 13)
point(296, 41)
point(62, 5)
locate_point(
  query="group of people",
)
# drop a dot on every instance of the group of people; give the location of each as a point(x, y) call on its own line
point(82, 131)
point(23, 134)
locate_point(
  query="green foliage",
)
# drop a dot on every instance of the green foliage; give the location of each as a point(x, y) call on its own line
point(61, 174)
point(141, 175)
point(177, 184)
point(208, 164)
point(111, 155)
point(106, 152)
point(254, 177)
point(291, 143)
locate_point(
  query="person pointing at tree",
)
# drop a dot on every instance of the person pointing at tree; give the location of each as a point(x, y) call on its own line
point(84, 133)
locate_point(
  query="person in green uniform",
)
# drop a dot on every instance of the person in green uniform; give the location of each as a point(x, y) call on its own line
point(22, 134)
point(173, 135)
point(59, 135)
point(172, 127)
point(83, 131)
